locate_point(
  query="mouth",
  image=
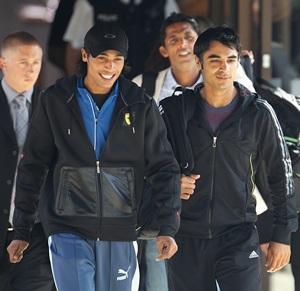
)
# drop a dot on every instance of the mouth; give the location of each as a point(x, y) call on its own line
point(223, 77)
point(184, 53)
point(107, 77)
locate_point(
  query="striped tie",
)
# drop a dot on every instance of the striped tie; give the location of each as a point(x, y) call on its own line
point(22, 115)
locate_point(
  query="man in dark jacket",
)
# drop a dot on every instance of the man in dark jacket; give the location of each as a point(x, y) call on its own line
point(97, 137)
point(20, 62)
point(228, 132)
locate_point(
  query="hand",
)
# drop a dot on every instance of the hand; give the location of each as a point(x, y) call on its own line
point(264, 248)
point(166, 247)
point(16, 249)
point(188, 186)
point(277, 255)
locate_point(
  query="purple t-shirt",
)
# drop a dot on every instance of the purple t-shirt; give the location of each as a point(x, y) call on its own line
point(215, 116)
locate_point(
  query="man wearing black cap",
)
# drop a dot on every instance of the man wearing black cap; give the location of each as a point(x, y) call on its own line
point(94, 138)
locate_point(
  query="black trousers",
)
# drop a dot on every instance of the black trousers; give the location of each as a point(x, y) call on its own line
point(295, 257)
point(232, 260)
point(33, 273)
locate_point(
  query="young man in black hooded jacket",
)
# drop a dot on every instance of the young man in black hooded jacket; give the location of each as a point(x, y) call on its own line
point(221, 133)
point(92, 142)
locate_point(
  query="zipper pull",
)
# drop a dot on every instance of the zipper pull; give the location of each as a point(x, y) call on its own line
point(214, 141)
point(98, 167)
point(69, 131)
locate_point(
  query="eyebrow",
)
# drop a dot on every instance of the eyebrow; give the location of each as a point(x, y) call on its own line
point(213, 56)
point(106, 54)
point(185, 31)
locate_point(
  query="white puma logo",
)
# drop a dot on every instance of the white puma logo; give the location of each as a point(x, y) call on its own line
point(123, 273)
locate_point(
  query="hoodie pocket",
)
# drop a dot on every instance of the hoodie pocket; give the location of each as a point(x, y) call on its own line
point(77, 192)
point(118, 193)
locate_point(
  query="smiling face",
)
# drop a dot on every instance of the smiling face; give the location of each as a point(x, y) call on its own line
point(179, 43)
point(219, 66)
point(103, 70)
point(21, 65)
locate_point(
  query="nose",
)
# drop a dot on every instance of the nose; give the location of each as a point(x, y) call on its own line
point(183, 43)
point(30, 68)
point(109, 64)
point(224, 65)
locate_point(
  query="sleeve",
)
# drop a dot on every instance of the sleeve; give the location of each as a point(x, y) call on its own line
point(176, 116)
point(138, 80)
point(279, 173)
point(162, 173)
point(264, 226)
point(39, 152)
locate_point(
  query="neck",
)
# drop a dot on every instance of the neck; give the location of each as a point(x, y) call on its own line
point(218, 98)
point(186, 77)
point(15, 87)
point(94, 88)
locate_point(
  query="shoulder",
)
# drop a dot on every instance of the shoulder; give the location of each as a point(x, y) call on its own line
point(132, 93)
point(64, 87)
point(154, 75)
point(138, 80)
point(182, 100)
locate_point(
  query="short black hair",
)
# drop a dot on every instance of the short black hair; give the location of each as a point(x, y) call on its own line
point(222, 34)
point(176, 18)
point(18, 38)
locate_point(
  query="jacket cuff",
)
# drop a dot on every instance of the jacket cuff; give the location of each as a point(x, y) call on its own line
point(167, 231)
point(281, 235)
point(22, 234)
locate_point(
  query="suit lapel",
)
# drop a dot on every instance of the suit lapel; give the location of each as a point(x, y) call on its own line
point(6, 122)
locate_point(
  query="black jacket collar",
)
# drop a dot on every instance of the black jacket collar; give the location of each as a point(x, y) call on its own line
point(130, 93)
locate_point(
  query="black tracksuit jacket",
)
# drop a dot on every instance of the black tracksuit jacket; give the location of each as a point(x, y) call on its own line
point(96, 199)
point(228, 161)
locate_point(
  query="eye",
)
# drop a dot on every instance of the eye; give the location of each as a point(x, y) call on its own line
point(101, 58)
point(173, 40)
point(232, 61)
point(214, 60)
point(190, 37)
point(119, 59)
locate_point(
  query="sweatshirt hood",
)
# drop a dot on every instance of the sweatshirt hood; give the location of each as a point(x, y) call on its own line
point(129, 91)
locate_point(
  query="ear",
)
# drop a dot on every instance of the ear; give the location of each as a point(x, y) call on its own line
point(163, 51)
point(198, 62)
point(84, 55)
point(2, 63)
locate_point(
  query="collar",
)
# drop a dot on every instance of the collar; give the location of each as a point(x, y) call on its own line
point(245, 95)
point(170, 84)
point(11, 94)
point(113, 92)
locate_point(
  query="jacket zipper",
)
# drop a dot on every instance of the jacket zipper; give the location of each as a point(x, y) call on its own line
point(98, 183)
point(214, 145)
point(99, 211)
point(252, 177)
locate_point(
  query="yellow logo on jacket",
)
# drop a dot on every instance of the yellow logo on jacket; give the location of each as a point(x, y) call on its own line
point(127, 118)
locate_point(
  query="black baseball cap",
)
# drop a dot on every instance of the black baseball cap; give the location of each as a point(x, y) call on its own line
point(102, 37)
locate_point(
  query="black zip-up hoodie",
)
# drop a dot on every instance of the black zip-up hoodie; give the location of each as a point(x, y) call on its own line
point(96, 199)
point(229, 163)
